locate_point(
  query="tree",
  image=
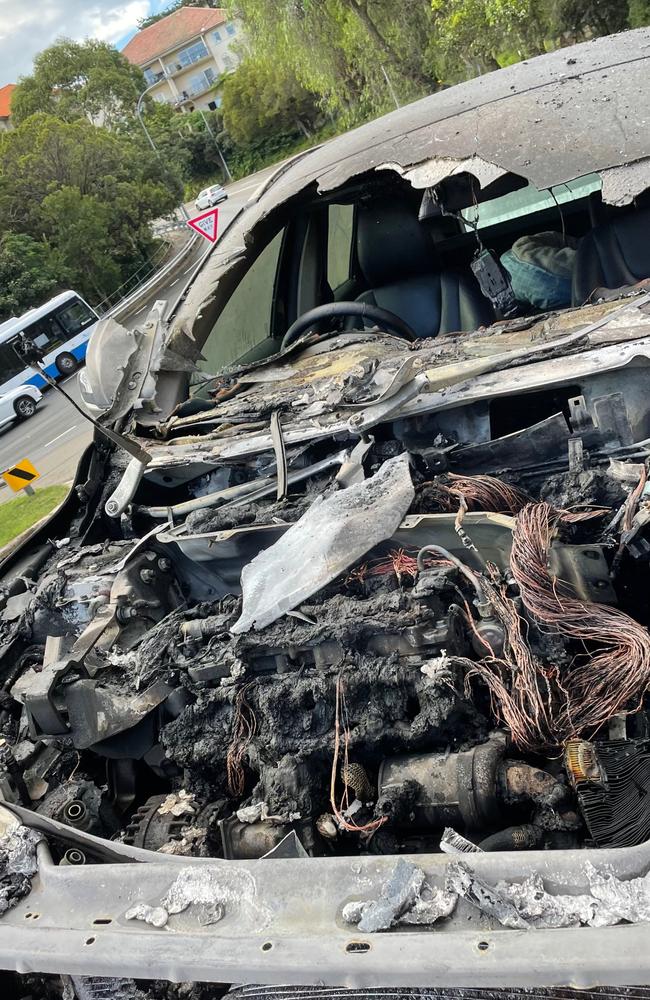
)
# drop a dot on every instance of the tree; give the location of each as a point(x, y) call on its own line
point(30, 273)
point(74, 80)
point(342, 49)
point(639, 13)
point(88, 193)
point(261, 97)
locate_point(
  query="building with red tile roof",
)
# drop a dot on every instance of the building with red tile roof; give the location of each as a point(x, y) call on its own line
point(5, 105)
point(184, 55)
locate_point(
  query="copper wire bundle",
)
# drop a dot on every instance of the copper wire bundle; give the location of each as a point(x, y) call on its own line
point(596, 686)
point(522, 693)
point(462, 493)
point(244, 729)
point(341, 723)
point(486, 493)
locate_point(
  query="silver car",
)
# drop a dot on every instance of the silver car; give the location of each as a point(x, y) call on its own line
point(211, 196)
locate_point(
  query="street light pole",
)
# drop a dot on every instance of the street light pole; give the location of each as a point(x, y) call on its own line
point(138, 111)
point(214, 139)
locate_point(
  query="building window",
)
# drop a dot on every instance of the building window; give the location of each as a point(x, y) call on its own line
point(230, 29)
point(152, 76)
point(201, 82)
point(216, 35)
point(188, 56)
point(228, 62)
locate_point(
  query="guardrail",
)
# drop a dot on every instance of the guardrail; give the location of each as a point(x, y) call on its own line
point(129, 304)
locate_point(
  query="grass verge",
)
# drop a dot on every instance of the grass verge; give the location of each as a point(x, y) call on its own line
point(21, 513)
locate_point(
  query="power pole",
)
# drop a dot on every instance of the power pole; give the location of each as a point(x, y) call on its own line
point(138, 111)
point(226, 169)
point(390, 87)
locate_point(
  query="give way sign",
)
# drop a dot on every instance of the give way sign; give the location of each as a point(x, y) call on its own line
point(206, 224)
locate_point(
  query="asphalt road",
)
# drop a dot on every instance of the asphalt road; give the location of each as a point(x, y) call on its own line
point(54, 438)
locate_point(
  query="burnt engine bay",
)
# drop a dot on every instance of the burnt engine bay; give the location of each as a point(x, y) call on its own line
point(432, 633)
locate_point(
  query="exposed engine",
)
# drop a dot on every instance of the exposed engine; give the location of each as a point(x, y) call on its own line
point(386, 643)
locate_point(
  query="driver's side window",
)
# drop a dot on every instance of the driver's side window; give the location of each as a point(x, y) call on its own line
point(340, 233)
point(245, 322)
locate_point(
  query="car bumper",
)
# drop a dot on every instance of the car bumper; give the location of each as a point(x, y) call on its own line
point(281, 922)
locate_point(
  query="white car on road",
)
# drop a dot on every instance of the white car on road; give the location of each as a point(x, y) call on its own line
point(211, 196)
point(19, 404)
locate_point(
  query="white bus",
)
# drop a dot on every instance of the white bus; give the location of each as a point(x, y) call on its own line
point(60, 329)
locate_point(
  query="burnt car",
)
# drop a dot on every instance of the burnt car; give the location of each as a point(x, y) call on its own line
point(333, 670)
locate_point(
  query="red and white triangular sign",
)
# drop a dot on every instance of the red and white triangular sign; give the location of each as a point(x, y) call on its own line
point(206, 224)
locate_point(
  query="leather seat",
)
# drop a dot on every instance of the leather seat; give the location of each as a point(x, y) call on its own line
point(398, 262)
point(612, 255)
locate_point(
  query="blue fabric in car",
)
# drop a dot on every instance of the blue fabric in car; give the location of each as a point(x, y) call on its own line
point(612, 255)
point(398, 261)
point(541, 269)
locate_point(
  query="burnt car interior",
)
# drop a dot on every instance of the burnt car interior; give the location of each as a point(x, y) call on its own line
point(410, 252)
point(379, 584)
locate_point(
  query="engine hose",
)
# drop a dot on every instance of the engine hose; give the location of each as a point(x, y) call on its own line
point(513, 838)
point(469, 574)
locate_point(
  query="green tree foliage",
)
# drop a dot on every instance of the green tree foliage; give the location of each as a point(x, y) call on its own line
point(262, 98)
point(342, 50)
point(30, 272)
point(85, 194)
point(79, 80)
point(639, 13)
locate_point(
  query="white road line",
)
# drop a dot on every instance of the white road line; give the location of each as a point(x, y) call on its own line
point(60, 435)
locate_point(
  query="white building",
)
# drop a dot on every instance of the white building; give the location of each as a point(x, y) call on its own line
point(185, 54)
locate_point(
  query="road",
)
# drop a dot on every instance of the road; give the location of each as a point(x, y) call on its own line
point(54, 438)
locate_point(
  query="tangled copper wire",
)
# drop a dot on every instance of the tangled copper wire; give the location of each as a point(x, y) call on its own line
point(545, 706)
point(523, 693)
point(461, 493)
point(399, 561)
point(616, 675)
point(244, 729)
point(338, 808)
point(632, 501)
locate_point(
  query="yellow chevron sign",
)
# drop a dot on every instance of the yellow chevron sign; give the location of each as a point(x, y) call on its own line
point(20, 475)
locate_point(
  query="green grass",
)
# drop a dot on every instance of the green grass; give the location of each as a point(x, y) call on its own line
point(19, 514)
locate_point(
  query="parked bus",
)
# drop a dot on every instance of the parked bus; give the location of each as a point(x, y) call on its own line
point(60, 329)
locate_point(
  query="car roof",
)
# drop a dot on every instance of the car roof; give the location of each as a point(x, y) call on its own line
point(550, 120)
point(577, 110)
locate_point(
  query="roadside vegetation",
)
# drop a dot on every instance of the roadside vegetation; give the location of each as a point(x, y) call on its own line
point(23, 511)
point(80, 184)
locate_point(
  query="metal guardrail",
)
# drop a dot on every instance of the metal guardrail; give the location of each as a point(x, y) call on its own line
point(161, 277)
point(134, 281)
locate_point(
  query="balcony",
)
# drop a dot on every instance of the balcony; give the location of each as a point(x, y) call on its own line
point(153, 78)
point(208, 82)
point(177, 65)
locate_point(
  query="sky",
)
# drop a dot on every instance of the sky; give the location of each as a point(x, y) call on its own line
point(27, 26)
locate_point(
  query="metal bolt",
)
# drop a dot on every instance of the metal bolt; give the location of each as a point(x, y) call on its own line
point(111, 508)
point(147, 575)
point(164, 564)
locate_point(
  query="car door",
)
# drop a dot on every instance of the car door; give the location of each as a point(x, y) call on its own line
point(7, 412)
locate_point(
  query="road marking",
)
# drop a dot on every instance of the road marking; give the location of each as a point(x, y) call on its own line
point(60, 435)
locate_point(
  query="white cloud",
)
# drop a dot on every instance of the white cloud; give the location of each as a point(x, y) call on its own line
point(26, 28)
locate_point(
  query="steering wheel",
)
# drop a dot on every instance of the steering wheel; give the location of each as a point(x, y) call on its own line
point(332, 310)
